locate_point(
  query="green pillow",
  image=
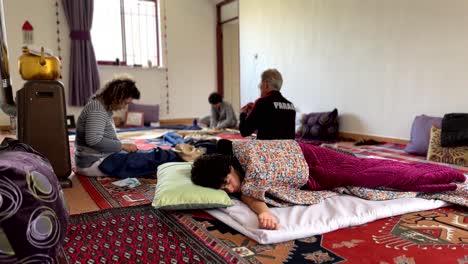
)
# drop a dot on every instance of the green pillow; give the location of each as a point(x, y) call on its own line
point(175, 190)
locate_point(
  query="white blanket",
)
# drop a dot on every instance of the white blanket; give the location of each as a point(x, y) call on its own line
point(332, 214)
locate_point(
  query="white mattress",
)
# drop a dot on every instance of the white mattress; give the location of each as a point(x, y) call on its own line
point(332, 214)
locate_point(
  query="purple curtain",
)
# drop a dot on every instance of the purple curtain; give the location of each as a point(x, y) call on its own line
point(84, 76)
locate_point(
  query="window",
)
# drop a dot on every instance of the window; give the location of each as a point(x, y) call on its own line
point(126, 32)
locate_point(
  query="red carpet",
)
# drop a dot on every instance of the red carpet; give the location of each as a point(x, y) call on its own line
point(106, 195)
point(137, 234)
point(142, 234)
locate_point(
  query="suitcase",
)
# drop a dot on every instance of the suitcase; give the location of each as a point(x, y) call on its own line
point(42, 123)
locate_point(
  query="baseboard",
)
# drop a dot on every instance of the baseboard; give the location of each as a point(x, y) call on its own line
point(6, 132)
point(357, 137)
point(177, 121)
point(4, 128)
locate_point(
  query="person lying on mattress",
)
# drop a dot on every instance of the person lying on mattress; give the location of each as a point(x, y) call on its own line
point(98, 150)
point(286, 172)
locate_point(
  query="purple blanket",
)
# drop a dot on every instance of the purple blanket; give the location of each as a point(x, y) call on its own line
point(329, 169)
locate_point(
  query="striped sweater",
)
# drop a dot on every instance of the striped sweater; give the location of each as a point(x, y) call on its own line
point(95, 134)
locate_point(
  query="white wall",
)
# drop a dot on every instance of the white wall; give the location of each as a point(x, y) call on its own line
point(229, 11)
point(231, 65)
point(41, 14)
point(379, 62)
point(191, 59)
point(192, 56)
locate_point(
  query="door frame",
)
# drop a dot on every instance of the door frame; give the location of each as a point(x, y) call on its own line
point(219, 44)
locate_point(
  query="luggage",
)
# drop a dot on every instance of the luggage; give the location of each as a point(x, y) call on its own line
point(42, 122)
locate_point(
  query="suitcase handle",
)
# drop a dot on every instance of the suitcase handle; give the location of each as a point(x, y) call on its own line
point(44, 94)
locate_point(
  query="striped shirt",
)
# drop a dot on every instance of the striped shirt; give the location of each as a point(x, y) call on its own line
point(95, 134)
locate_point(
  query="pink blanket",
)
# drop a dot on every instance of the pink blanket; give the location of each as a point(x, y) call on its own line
point(329, 169)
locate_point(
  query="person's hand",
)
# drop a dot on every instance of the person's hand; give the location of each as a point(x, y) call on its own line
point(247, 108)
point(129, 147)
point(267, 221)
point(118, 122)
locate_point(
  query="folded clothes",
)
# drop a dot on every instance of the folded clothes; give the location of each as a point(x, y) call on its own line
point(128, 182)
point(173, 138)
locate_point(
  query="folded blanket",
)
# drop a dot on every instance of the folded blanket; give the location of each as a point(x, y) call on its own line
point(329, 169)
point(454, 130)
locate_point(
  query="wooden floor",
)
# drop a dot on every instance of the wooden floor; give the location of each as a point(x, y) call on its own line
point(78, 200)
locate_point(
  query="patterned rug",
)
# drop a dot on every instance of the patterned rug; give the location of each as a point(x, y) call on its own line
point(435, 236)
point(107, 195)
point(143, 235)
point(138, 234)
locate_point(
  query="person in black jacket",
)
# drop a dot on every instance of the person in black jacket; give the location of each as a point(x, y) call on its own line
point(272, 115)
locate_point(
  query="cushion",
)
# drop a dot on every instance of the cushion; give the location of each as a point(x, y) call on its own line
point(420, 134)
point(134, 119)
point(454, 130)
point(323, 126)
point(33, 215)
point(175, 190)
point(150, 112)
point(437, 153)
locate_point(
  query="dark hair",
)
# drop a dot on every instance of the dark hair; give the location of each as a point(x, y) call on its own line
point(224, 146)
point(116, 91)
point(211, 170)
point(215, 98)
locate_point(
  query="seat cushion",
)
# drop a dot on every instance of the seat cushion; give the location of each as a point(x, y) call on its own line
point(175, 190)
point(33, 219)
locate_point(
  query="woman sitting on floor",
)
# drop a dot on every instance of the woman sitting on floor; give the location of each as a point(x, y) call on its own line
point(284, 172)
point(98, 150)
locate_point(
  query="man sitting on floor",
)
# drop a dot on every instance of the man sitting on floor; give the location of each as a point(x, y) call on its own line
point(272, 115)
point(222, 114)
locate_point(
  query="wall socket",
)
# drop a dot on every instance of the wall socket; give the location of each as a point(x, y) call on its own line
point(256, 56)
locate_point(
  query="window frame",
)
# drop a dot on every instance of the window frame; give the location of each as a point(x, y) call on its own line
point(124, 40)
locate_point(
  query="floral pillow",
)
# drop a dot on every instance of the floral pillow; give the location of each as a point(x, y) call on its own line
point(437, 153)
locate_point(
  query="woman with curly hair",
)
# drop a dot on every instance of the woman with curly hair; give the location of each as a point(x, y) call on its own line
point(98, 150)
